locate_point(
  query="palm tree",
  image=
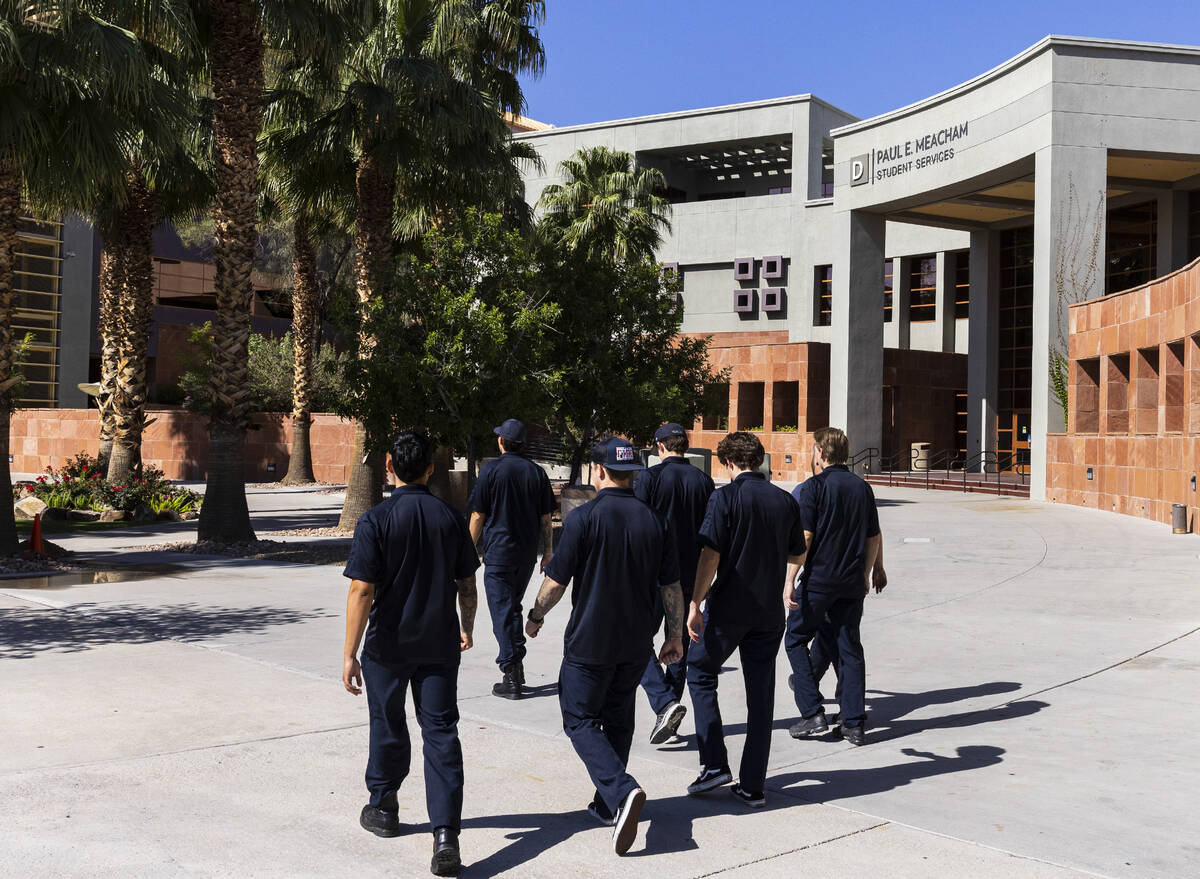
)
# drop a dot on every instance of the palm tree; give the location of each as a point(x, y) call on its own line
point(304, 342)
point(608, 208)
point(414, 123)
point(68, 80)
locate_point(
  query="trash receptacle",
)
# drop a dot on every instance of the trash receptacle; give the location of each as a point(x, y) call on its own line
point(920, 456)
point(1179, 519)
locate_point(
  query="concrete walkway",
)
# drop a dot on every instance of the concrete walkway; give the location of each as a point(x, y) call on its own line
point(1032, 689)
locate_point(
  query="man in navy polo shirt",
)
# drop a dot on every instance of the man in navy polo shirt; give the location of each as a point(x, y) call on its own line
point(680, 492)
point(412, 556)
point(618, 553)
point(510, 506)
point(841, 524)
point(751, 532)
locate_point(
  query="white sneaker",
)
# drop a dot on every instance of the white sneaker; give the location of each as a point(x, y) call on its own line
point(625, 828)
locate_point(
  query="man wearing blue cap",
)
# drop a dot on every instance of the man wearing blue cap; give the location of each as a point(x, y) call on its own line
point(680, 493)
point(617, 552)
point(510, 507)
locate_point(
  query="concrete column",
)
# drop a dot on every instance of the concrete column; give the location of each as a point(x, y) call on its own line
point(80, 265)
point(856, 352)
point(1172, 243)
point(1070, 212)
point(945, 301)
point(891, 329)
point(982, 354)
point(901, 294)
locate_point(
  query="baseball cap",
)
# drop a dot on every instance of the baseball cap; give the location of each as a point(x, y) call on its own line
point(669, 429)
point(511, 430)
point(616, 454)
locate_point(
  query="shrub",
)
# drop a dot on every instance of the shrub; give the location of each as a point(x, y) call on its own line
point(79, 485)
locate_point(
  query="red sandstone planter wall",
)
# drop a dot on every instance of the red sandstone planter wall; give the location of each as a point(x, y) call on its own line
point(1135, 402)
point(177, 442)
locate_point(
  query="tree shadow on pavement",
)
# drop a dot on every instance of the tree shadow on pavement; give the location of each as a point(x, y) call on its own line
point(26, 632)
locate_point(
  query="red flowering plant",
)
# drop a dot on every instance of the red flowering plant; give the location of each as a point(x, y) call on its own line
point(80, 485)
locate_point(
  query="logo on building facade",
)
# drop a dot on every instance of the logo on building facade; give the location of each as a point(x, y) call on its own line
point(860, 169)
point(924, 151)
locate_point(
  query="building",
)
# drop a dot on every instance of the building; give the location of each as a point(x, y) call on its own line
point(909, 276)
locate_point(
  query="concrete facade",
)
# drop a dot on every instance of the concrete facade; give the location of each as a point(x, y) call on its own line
point(1054, 143)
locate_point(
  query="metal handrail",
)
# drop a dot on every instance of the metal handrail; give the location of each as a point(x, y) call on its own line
point(868, 455)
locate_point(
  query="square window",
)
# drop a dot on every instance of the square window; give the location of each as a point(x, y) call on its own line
point(743, 300)
point(743, 268)
point(773, 267)
point(672, 267)
point(772, 298)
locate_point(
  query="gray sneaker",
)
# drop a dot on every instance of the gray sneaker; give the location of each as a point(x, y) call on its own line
point(667, 724)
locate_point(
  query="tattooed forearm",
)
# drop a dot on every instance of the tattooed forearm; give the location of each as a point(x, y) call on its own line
point(548, 596)
point(547, 536)
point(468, 602)
point(673, 609)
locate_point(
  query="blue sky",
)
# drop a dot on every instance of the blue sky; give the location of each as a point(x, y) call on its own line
point(609, 59)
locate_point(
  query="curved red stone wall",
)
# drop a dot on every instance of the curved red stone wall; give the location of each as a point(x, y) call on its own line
point(1134, 419)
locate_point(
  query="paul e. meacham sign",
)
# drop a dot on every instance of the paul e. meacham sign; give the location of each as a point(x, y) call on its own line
point(929, 149)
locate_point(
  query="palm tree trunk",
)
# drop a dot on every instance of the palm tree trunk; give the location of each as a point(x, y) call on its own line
point(237, 86)
point(110, 291)
point(375, 188)
point(10, 210)
point(304, 319)
point(133, 311)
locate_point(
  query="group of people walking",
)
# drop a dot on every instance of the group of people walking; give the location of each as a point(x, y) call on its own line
point(741, 568)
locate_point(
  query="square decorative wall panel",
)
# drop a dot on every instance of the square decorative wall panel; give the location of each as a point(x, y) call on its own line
point(773, 298)
point(743, 268)
point(772, 267)
point(743, 301)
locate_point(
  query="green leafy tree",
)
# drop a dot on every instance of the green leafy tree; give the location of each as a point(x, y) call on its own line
point(466, 345)
point(625, 367)
point(608, 208)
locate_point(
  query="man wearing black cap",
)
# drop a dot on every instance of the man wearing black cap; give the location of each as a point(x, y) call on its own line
point(510, 506)
point(751, 532)
point(618, 553)
point(411, 558)
point(680, 493)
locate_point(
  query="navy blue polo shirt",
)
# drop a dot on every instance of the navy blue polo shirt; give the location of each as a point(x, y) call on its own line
point(413, 547)
point(839, 510)
point(680, 492)
point(617, 553)
point(755, 526)
point(513, 493)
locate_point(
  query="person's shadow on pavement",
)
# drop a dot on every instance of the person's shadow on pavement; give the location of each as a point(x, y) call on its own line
point(668, 821)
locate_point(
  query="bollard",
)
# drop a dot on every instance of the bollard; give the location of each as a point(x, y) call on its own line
point(1179, 519)
point(35, 536)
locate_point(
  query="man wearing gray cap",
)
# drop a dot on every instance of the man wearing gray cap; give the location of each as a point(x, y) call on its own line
point(510, 507)
point(680, 493)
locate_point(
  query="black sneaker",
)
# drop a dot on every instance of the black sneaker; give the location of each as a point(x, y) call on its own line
point(508, 688)
point(753, 799)
point(446, 859)
point(809, 726)
point(599, 812)
point(667, 724)
point(380, 821)
point(626, 823)
point(855, 735)
point(710, 779)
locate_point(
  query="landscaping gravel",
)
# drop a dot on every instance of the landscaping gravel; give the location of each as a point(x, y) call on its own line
point(267, 550)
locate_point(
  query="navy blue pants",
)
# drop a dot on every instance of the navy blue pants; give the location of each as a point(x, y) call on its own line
point(597, 703)
point(435, 696)
point(758, 649)
point(822, 652)
point(505, 587)
point(664, 684)
point(840, 614)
